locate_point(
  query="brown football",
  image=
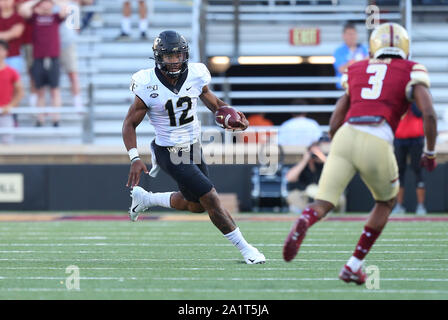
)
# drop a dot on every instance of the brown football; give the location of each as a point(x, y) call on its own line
point(227, 117)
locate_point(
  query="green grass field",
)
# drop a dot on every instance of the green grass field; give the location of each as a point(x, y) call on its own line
point(192, 260)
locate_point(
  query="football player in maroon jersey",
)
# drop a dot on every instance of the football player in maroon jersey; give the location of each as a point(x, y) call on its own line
point(378, 92)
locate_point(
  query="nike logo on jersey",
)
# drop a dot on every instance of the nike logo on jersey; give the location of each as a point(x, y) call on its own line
point(133, 209)
point(251, 260)
point(189, 88)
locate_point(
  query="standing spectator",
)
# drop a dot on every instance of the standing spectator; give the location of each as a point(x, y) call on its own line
point(349, 52)
point(11, 30)
point(299, 130)
point(126, 20)
point(27, 50)
point(11, 92)
point(409, 142)
point(46, 50)
point(69, 57)
point(12, 26)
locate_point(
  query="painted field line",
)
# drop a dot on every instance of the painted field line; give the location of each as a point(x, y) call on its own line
point(192, 245)
point(214, 279)
point(283, 279)
point(222, 251)
point(372, 260)
point(216, 268)
point(155, 235)
point(179, 290)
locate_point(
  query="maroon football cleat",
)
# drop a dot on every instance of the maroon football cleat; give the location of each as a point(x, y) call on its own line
point(348, 275)
point(294, 239)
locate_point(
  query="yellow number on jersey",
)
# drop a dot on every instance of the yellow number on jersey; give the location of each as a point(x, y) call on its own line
point(376, 81)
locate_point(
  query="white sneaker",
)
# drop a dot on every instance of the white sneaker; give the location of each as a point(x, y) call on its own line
point(137, 205)
point(77, 102)
point(421, 210)
point(253, 256)
point(398, 209)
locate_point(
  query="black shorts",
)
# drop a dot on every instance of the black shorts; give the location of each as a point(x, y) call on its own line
point(45, 72)
point(412, 147)
point(192, 178)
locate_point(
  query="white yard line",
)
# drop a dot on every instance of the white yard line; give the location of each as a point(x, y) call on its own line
point(191, 244)
point(93, 235)
point(260, 268)
point(209, 259)
point(222, 251)
point(214, 279)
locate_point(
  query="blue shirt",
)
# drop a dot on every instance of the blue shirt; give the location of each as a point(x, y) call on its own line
point(343, 55)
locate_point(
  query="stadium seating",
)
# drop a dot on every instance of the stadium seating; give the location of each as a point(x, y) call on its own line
point(108, 65)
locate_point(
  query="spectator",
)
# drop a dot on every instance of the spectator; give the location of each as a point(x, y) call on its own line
point(299, 130)
point(27, 50)
point(409, 142)
point(304, 177)
point(12, 26)
point(11, 92)
point(126, 20)
point(259, 120)
point(46, 50)
point(349, 52)
point(69, 57)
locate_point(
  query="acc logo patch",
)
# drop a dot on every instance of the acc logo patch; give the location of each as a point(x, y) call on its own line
point(133, 85)
point(154, 95)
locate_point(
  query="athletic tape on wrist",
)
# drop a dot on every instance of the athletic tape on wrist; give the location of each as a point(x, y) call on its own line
point(133, 154)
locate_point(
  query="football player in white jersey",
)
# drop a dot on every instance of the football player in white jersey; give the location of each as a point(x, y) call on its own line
point(168, 94)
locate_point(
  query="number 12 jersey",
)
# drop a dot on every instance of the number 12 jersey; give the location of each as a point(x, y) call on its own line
point(172, 109)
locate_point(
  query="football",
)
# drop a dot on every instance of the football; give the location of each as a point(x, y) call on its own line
point(227, 117)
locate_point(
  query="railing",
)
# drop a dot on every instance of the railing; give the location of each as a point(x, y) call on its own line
point(236, 13)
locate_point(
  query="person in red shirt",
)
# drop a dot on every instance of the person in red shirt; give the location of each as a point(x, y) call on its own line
point(409, 141)
point(379, 92)
point(10, 94)
point(12, 26)
point(46, 50)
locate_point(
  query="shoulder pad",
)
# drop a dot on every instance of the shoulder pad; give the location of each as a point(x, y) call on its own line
point(344, 82)
point(139, 80)
point(418, 75)
point(202, 72)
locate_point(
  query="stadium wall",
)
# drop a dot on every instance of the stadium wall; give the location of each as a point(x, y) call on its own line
point(102, 187)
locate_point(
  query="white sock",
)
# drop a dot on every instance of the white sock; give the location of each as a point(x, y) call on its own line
point(33, 100)
point(354, 263)
point(161, 199)
point(77, 101)
point(238, 240)
point(126, 25)
point(143, 25)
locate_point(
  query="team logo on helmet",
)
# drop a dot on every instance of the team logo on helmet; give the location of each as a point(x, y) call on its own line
point(389, 39)
point(171, 44)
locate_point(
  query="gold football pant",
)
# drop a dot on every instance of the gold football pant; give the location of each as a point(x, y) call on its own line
point(354, 151)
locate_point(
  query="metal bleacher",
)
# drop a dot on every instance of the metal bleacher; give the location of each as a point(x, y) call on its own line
point(106, 65)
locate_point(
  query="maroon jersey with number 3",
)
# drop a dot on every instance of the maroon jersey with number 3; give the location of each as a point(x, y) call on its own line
point(382, 87)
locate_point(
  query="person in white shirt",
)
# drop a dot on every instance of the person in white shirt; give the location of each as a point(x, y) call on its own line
point(299, 130)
